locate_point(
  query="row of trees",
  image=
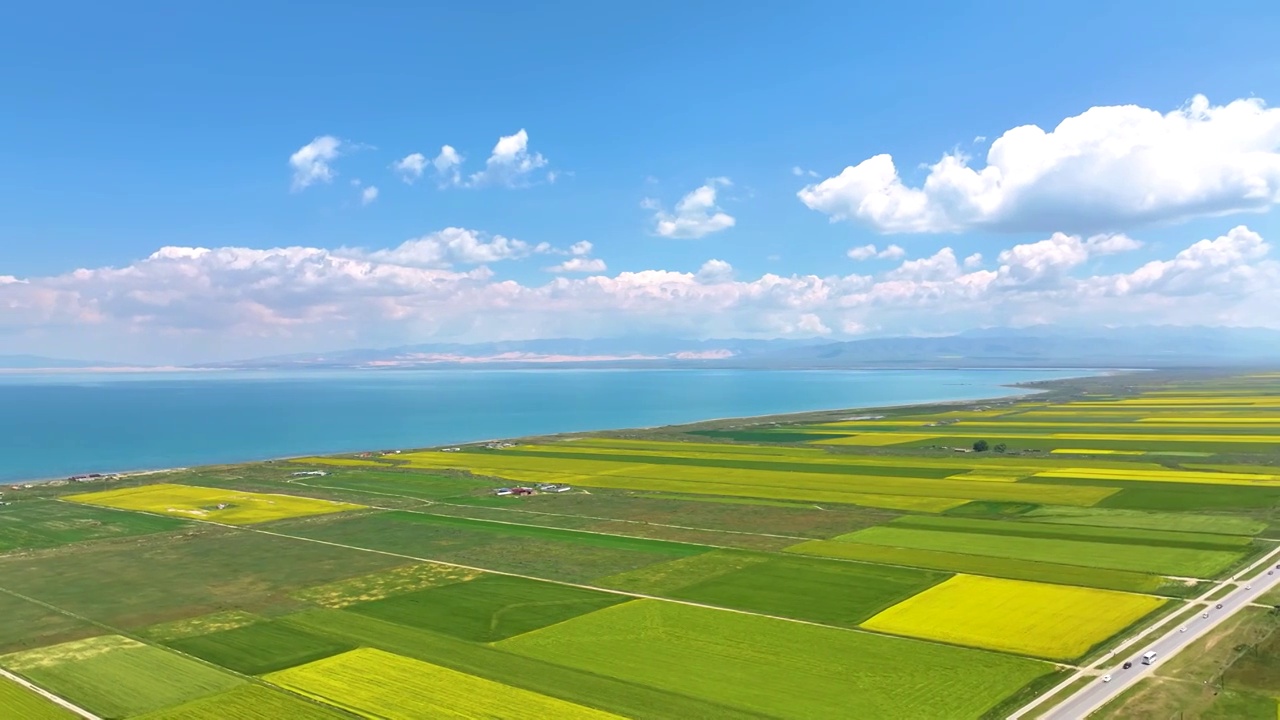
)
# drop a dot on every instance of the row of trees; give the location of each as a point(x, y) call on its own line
point(982, 446)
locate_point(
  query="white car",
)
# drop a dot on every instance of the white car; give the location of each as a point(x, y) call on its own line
point(1182, 629)
point(1106, 678)
point(1248, 587)
point(1204, 615)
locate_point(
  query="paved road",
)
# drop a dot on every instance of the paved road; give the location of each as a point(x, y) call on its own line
point(1097, 693)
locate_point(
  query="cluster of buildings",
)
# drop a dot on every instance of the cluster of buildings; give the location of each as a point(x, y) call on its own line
point(544, 487)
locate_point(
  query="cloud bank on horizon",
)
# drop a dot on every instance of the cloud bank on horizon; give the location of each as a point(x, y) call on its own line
point(1086, 191)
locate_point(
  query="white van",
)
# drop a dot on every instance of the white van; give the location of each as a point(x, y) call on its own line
point(1148, 658)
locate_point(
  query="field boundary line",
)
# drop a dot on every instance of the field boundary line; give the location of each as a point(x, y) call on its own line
point(63, 702)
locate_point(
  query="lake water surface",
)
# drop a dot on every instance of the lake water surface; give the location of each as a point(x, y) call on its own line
point(59, 424)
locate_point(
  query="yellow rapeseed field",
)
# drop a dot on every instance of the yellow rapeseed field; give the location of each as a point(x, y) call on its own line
point(1087, 451)
point(1057, 622)
point(1177, 476)
point(215, 504)
point(373, 683)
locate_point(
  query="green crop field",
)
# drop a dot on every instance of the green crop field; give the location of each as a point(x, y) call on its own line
point(259, 648)
point(155, 578)
point(116, 677)
point(488, 608)
point(832, 593)
point(22, 704)
point(1122, 536)
point(780, 668)
point(1138, 558)
point(35, 524)
point(248, 702)
point(1012, 568)
point(542, 552)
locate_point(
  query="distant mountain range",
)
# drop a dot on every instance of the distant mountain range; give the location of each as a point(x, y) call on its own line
point(1041, 346)
point(36, 362)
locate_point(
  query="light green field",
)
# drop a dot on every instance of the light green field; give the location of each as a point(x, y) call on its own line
point(21, 704)
point(212, 504)
point(248, 702)
point(113, 676)
point(777, 668)
point(378, 684)
point(1138, 558)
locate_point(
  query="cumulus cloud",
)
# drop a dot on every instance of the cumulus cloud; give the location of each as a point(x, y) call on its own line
point(296, 298)
point(580, 248)
point(451, 246)
point(368, 195)
point(866, 252)
point(1105, 169)
point(695, 216)
point(715, 271)
point(579, 265)
point(410, 167)
point(510, 164)
point(312, 163)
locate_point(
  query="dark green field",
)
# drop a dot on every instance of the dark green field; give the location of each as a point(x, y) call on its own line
point(32, 524)
point(489, 608)
point(260, 648)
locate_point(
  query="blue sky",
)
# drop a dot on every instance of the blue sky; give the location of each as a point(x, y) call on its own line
point(129, 127)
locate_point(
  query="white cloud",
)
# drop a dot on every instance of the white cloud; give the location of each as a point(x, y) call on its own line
point(866, 252)
point(695, 216)
point(453, 245)
point(509, 164)
point(580, 248)
point(368, 195)
point(1048, 261)
point(410, 167)
point(973, 262)
point(242, 301)
point(579, 265)
point(311, 162)
point(715, 271)
point(447, 164)
point(1107, 168)
point(801, 172)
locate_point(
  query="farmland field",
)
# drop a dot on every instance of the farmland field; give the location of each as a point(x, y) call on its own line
point(779, 668)
point(117, 677)
point(18, 702)
point(874, 564)
point(233, 508)
point(487, 608)
point(1139, 558)
point(259, 648)
point(379, 684)
point(248, 702)
point(833, 593)
point(40, 524)
point(1055, 622)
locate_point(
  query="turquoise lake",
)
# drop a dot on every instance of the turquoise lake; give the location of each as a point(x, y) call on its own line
point(59, 424)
